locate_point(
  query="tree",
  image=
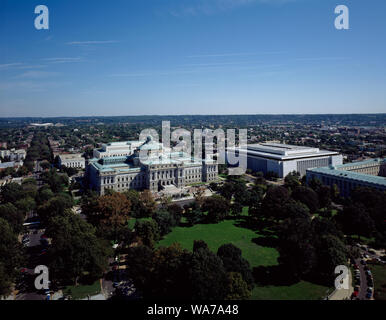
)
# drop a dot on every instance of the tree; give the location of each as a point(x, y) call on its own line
point(324, 194)
point(199, 196)
point(207, 276)
point(11, 192)
point(176, 211)
point(13, 216)
point(234, 262)
point(148, 203)
point(292, 180)
point(296, 247)
point(45, 194)
point(199, 244)
point(165, 221)
point(331, 253)
point(217, 207)
point(356, 220)
point(307, 196)
point(237, 288)
point(273, 204)
point(236, 208)
point(75, 250)
point(114, 212)
point(142, 203)
point(26, 204)
point(148, 231)
point(140, 264)
point(296, 209)
point(5, 282)
point(194, 216)
point(56, 206)
point(11, 256)
point(45, 164)
point(170, 278)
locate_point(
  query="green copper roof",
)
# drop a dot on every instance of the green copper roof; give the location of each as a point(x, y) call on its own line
point(340, 172)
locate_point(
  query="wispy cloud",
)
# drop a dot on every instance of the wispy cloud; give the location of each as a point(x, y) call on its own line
point(62, 60)
point(27, 86)
point(321, 59)
point(234, 54)
point(209, 7)
point(80, 43)
point(36, 75)
point(9, 65)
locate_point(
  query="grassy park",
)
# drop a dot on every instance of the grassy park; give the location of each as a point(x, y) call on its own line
point(82, 291)
point(379, 274)
point(230, 231)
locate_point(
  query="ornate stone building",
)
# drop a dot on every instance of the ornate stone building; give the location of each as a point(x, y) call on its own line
point(149, 166)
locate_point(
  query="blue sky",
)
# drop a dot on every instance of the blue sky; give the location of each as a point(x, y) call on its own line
point(139, 57)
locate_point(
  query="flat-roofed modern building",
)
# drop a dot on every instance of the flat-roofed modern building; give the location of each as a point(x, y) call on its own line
point(284, 158)
point(369, 173)
point(117, 149)
point(159, 168)
point(74, 160)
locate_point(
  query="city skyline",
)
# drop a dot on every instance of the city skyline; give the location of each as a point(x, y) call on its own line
point(185, 57)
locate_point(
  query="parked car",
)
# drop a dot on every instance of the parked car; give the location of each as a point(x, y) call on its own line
point(372, 251)
point(356, 288)
point(369, 295)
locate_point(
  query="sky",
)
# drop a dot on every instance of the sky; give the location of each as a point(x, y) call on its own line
point(161, 57)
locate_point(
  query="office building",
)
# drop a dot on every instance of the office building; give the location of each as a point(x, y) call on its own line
point(283, 158)
point(369, 173)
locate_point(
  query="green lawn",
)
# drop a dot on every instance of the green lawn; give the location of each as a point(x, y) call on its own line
point(81, 291)
point(379, 274)
point(218, 234)
point(300, 291)
point(227, 231)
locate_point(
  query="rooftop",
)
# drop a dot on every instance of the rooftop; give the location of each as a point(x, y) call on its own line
point(70, 156)
point(280, 151)
point(340, 172)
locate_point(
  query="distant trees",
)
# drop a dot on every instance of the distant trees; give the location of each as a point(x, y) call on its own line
point(38, 150)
